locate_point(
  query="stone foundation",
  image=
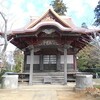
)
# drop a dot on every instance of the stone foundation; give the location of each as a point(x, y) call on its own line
point(9, 81)
point(83, 82)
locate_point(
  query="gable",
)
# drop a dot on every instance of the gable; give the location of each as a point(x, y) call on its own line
point(50, 16)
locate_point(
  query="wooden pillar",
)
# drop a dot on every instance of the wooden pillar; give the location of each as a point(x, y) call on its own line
point(25, 63)
point(41, 62)
point(75, 63)
point(31, 66)
point(58, 62)
point(65, 64)
point(75, 59)
point(25, 60)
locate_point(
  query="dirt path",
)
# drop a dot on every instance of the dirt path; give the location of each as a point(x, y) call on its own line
point(70, 95)
point(45, 93)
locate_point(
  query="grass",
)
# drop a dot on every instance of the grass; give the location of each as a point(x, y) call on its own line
point(97, 86)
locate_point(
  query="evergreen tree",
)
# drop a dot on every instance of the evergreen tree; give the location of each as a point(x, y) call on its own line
point(18, 57)
point(84, 25)
point(88, 58)
point(97, 15)
point(59, 7)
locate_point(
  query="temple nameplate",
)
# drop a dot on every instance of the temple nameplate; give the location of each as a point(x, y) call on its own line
point(48, 42)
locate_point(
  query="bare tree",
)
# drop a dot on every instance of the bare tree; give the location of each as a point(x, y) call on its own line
point(93, 39)
point(4, 33)
point(4, 26)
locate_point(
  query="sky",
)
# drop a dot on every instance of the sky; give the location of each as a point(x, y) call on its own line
point(19, 12)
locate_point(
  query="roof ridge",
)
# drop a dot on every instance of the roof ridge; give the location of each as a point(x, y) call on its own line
point(55, 15)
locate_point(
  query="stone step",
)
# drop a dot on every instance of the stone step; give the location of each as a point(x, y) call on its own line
point(47, 86)
point(40, 78)
point(53, 77)
point(45, 74)
point(54, 80)
point(50, 76)
point(57, 77)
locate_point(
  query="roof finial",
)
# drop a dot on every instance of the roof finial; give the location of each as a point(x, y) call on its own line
point(30, 18)
point(50, 7)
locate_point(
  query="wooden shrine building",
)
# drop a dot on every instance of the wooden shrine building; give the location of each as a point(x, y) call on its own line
point(50, 44)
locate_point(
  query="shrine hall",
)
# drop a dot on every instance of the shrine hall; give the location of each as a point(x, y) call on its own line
point(50, 44)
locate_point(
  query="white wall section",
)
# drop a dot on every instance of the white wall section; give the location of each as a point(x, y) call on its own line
point(36, 59)
point(69, 59)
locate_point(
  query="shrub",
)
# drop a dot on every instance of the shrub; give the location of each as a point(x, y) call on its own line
point(1, 73)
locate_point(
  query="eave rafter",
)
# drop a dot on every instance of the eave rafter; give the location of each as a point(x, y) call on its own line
point(20, 43)
point(78, 44)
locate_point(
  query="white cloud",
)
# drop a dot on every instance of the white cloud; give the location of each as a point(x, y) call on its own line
point(18, 14)
point(14, 13)
point(79, 10)
point(92, 3)
point(78, 7)
point(17, 2)
point(31, 9)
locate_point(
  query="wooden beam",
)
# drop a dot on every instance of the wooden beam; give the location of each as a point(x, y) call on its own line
point(71, 34)
point(24, 35)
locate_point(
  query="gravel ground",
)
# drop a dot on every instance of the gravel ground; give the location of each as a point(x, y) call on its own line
point(47, 92)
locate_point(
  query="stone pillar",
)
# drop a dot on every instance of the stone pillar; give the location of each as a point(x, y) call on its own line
point(65, 64)
point(58, 62)
point(31, 66)
point(41, 62)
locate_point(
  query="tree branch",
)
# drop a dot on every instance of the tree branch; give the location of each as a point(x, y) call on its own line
point(5, 32)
